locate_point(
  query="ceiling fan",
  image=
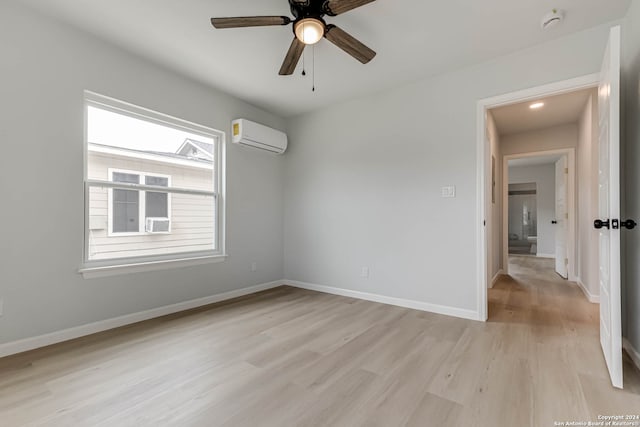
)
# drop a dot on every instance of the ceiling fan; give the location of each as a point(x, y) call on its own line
point(308, 27)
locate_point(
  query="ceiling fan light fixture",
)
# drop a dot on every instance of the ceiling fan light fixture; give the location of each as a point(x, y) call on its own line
point(309, 30)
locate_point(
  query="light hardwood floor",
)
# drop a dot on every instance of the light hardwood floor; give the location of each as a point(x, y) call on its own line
point(291, 357)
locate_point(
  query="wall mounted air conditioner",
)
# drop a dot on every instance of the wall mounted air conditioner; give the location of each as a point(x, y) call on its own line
point(255, 135)
point(157, 225)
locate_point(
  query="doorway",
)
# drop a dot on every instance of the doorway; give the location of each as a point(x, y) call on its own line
point(540, 209)
point(522, 223)
point(604, 134)
point(492, 251)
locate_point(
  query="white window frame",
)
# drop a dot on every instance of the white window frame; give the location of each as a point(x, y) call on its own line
point(142, 204)
point(99, 268)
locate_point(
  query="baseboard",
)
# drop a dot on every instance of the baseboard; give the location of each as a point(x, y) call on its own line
point(594, 299)
point(546, 255)
point(632, 352)
point(27, 344)
point(415, 305)
point(496, 277)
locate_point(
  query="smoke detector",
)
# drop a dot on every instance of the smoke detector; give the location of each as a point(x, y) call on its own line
point(552, 19)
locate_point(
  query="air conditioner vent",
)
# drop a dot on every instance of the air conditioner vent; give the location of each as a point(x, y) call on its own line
point(157, 225)
point(255, 135)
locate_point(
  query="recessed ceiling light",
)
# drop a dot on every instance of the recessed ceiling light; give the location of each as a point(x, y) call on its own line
point(536, 105)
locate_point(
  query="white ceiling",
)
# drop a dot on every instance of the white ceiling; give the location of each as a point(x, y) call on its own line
point(557, 110)
point(413, 38)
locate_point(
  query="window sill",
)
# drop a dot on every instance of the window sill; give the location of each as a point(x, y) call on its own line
point(89, 272)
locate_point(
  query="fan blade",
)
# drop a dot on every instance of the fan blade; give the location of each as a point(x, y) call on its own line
point(292, 58)
point(337, 7)
point(249, 21)
point(349, 44)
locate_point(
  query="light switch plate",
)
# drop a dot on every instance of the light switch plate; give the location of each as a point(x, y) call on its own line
point(449, 191)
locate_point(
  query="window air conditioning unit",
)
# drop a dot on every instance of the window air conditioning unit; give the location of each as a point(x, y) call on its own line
point(157, 225)
point(259, 136)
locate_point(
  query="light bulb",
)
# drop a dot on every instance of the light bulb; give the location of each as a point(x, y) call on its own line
point(309, 30)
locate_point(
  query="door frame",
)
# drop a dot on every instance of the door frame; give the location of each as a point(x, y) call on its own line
point(571, 205)
point(483, 166)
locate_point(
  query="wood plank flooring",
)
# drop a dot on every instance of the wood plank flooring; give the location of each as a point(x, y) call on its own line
point(291, 357)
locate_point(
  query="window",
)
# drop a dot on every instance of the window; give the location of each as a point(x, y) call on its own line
point(152, 187)
point(132, 210)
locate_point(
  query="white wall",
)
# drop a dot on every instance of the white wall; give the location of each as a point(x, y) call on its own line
point(45, 68)
point(631, 156)
point(363, 178)
point(587, 268)
point(552, 138)
point(544, 177)
point(494, 229)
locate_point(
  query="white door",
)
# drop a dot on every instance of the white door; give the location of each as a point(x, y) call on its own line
point(562, 217)
point(609, 208)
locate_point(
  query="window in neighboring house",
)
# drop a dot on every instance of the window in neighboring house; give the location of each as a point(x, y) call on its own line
point(133, 208)
point(126, 205)
point(157, 204)
point(153, 186)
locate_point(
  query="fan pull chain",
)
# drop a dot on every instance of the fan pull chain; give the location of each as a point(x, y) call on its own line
point(304, 73)
point(313, 69)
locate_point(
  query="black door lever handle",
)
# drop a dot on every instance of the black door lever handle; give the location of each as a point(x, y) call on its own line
point(554, 222)
point(598, 224)
point(628, 224)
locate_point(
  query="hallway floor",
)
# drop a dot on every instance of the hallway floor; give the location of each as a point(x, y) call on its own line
point(554, 329)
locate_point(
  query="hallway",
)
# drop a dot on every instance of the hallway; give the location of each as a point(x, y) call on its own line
point(555, 330)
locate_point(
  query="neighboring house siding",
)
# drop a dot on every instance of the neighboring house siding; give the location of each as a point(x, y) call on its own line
point(192, 216)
